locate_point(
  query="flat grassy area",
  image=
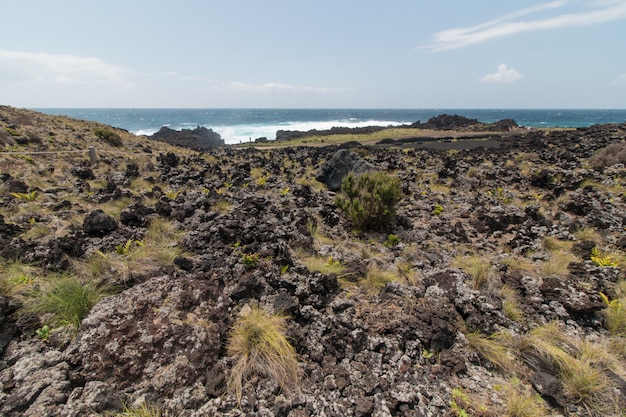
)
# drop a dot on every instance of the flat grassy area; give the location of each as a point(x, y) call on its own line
point(374, 137)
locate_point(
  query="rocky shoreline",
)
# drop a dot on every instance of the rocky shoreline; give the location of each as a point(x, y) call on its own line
point(492, 286)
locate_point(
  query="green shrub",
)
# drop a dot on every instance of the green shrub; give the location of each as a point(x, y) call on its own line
point(369, 200)
point(109, 137)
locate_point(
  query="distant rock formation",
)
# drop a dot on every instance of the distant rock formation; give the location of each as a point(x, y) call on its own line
point(441, 122)
point(197, 139)
point(456, 122)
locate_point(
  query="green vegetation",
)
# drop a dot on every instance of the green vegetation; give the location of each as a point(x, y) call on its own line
point(369, 200)
point(437, 209)
point(375, 279)
point(615, 312)
point(392, 241)
point(63, 300)
point(325, 266)
point(109, 137)
point(32, 196)
point(601, 259)
point(259, 345)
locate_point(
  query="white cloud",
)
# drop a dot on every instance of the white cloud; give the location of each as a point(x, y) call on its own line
point(503, 75)
point(58, 68)
point(270, 88)
point(621, 79)
point(508, 25)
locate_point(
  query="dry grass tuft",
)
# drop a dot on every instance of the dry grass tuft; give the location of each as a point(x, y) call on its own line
point(492, 348)
point(478, 267)
point(258, 343)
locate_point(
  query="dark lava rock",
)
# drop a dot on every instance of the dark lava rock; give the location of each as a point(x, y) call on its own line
point(13, 185)
point(198, 139)
point(136, 215)
point(339, 165)
point(98, 223)
point(157, 336)
point(82, 172)
point(446, 122)
point(550, 388)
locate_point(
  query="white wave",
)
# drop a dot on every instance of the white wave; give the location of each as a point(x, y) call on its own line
point(245, 133)
point(234, 134)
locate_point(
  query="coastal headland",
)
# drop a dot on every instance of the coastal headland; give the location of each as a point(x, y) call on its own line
point(137, 276)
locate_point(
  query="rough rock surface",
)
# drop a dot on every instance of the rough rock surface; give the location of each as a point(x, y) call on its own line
point(390, 334)
point(198, 139)
point(339, 165)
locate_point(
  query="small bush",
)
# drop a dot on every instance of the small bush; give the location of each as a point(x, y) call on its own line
point(109, 137)
point(258, 342)
point(615, 153)
point(369, 200)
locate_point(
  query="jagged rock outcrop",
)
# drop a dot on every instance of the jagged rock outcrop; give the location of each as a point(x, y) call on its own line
point(198, 139)
point(339, 165)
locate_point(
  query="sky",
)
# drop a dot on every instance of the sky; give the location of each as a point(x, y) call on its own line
point(313, 54)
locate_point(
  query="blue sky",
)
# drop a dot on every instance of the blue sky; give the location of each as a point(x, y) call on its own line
point(275, 54)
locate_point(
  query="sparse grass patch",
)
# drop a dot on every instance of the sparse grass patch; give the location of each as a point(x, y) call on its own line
point(259, 345)
point(319, 238)
point(588, 233)
point(576, 364)
point(492, 349)
point(518, 263)
point(615, 311)
point(477, 267)
point(552, 244)
point(63, 300)
point(15, 277)
point(144, 410)
point(510, 303)
point(375, 279)
point(557, 264)
point(325, 266)
point(520, 403)
point(222, 206)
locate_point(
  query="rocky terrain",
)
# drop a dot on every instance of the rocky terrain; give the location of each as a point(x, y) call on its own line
point(497, 289)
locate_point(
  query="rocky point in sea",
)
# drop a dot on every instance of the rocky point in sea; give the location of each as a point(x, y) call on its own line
point(497, 288)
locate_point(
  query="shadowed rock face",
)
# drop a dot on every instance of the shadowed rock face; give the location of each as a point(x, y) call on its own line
point(198, 139)
point(343, 162)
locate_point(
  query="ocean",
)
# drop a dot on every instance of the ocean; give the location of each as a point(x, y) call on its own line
point(242, 125)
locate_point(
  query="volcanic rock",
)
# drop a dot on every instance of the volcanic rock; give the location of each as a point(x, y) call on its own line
point(198, 139)
point(339, 165)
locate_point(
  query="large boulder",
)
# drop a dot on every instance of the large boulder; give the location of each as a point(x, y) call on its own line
point(343, 162)
point(157, 337)
point(198, 139)
point(98, 223)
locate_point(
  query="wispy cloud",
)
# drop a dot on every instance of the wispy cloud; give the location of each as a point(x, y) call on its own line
point(511, 23)
point(58, 68)
point(270, 88)
point(503, 75)
point(621, 79)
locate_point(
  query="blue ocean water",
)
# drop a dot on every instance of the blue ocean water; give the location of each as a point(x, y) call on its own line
point(242, 125)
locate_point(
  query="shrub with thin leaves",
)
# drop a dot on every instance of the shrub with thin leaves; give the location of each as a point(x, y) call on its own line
point(369, 200)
